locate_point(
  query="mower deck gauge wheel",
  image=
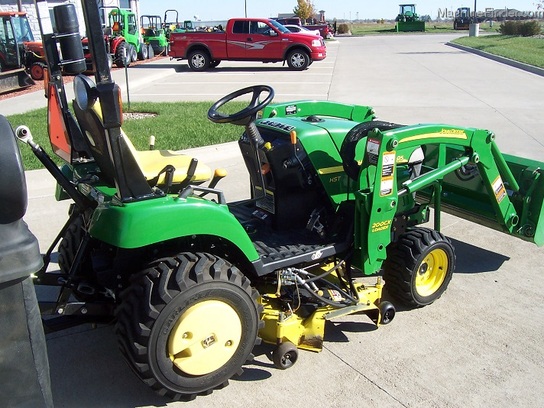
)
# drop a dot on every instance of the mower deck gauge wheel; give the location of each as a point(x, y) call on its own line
point(285, 355)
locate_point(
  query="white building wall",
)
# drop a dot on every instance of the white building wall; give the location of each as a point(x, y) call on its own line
point(30, 9)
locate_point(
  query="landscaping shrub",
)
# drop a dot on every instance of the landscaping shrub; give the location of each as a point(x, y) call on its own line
point(522, 28)
point(530, 28)
point(342, 29)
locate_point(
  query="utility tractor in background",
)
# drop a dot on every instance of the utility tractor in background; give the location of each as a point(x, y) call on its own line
point(153, 34)
point(20, 55)
point(173, 25)
point(123, 39)
point(462, 19)
point(408, 20)
point(337, 207)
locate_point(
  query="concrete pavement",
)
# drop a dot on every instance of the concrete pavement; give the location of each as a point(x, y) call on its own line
point(478, 345)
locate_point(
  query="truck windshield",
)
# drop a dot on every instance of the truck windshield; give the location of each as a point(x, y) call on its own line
point(280, 27)
point(22, 29)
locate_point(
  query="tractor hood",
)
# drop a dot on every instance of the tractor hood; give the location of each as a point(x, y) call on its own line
point(319, 136)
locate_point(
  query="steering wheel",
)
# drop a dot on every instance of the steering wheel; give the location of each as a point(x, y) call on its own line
point(347, 151)
point(246, 115)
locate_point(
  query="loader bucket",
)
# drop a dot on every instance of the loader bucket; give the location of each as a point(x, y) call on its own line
point(14, 80)
point(520, 190)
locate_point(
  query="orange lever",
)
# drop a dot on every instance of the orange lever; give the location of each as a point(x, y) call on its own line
point(293, 135)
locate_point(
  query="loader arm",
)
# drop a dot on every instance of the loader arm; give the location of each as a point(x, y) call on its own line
point(462, 172)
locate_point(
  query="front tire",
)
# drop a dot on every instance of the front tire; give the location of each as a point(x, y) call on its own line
point(188, 323)
point(199, 60)
point(36, 70)
point(298, 60)
point(122, 55)
point(143, 53)
point(419, 267)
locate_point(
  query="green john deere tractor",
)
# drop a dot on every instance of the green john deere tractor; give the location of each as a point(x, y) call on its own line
point(154, 35)
point(123, 40)
point(408, 20)
point(337, 209)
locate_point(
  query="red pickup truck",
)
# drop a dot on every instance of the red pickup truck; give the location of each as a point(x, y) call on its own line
point(247, 39)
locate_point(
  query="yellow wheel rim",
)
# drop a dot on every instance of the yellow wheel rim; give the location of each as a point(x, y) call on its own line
point(431, 272)
point(205, 337)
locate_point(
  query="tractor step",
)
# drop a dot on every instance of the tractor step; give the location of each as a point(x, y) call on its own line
point(283, 248)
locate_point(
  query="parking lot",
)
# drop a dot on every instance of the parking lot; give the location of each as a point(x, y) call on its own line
point(480, 344)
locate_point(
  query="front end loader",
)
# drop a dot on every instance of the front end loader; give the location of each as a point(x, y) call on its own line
point(340, 208)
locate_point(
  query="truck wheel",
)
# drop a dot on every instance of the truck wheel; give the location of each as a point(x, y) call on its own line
point(36, 71)
point(419, 267)
point(143, 54)
point(186, 324)
point(122, 55)
point(199, 60)
point(298, 60)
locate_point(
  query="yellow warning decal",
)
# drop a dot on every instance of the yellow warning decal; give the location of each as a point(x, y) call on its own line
point(388, 173)
point(498, 188)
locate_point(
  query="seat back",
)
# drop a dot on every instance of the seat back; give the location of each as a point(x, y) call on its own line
point(95, 136)
point(19, 249)
point(13, 194)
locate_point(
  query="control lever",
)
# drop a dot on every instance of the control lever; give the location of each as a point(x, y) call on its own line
point(190, 174)
point(292, 161)
point(218, 174)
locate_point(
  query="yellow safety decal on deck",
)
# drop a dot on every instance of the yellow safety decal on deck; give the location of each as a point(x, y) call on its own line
point(388, 173)
point(498, 188)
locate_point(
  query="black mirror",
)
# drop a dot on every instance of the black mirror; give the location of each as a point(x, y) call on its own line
point(85, 92)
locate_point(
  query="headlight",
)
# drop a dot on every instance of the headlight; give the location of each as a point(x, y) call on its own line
point(316, 43)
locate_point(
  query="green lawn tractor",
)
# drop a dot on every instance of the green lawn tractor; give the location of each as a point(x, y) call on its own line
point(154, 34)
point(337, 207)
point(408, 20)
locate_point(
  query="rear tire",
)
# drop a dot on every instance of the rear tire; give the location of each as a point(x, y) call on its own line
point(70, 243)
point(419, 267)
point(298, 60)
point(143, 54)
point(187, 324)
point(150, 51)
point(132, 52)
point(199, 60)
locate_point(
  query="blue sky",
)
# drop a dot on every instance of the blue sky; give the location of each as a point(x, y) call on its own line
point(224, 9)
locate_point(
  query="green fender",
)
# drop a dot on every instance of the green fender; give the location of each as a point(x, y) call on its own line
point(142, 223)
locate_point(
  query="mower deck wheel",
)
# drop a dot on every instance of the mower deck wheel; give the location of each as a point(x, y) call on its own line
point(387, 312)
point(285, 355)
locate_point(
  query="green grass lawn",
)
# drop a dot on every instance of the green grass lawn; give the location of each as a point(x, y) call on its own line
point(177, 126)
point(529, 50)
point(389, 28)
